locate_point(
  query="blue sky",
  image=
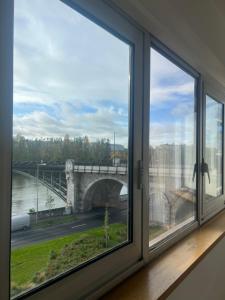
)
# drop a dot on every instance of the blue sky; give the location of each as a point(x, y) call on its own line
point(172, 115)
point(72, 77)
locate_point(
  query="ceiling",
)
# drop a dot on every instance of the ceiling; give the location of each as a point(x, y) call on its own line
point(194, 29)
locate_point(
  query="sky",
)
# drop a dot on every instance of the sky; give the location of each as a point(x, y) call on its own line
point(72, 77)
point(214, 125)
point(172, 103)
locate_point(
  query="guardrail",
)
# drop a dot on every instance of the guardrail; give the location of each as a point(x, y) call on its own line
point(121, 170)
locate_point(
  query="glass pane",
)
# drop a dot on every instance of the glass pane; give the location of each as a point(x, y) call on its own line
point(70, 142)
point(172, 180)
point(213, 148)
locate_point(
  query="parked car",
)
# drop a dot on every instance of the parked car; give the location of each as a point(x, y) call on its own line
point(20, 222)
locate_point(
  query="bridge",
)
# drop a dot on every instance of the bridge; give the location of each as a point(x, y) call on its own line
point(83, 187)
point(94, 186)
point(52, 175)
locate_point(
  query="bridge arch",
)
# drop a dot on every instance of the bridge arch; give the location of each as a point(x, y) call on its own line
point(103, 192)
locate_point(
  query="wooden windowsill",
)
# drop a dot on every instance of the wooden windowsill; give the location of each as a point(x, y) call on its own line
point(159, 278)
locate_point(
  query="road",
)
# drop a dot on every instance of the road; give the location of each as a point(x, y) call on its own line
point(85, 222)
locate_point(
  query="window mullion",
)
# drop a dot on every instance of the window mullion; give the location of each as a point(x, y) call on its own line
point(145, 145)
point(6, 91)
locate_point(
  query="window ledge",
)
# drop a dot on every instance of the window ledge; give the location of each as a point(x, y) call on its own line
point(159, 278)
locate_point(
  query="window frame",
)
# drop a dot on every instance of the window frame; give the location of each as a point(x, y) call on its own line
point(107, 15)
point(220, 200)
point(6, 109)
point(163, 244)
point(101, 271)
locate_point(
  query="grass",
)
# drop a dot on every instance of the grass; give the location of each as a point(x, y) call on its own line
point(27, 261)
point(54, 221)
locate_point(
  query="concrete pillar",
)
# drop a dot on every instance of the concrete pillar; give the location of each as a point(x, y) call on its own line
point(72, 193)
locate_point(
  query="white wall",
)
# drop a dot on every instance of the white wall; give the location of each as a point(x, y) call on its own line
point(207, 280)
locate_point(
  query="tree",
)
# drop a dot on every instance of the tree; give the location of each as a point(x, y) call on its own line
point(106, 226)
point(79, 148)
point(50, 203)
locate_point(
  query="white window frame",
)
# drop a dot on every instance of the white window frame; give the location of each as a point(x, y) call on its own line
point(94, 279)
point(216, 94)
point(101, 272)
point(180, 232)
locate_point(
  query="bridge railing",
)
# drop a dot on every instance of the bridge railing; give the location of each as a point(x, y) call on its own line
point(118, 169)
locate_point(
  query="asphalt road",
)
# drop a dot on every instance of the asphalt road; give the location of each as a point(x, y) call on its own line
point(31, 236)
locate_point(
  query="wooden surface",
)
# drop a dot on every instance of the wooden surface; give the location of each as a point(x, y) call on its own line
point(159, 278)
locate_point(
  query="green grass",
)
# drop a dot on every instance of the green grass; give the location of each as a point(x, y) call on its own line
point(27, 261)
point(54, 221)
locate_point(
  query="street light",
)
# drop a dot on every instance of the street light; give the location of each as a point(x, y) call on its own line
point(114, 148)
point(37, 176)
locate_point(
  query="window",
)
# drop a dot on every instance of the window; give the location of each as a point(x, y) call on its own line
point(213, 155)
point(73, 194)
point(83, 129)
point(172, 148)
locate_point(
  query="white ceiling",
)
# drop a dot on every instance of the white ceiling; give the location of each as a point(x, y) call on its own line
point(194, 29)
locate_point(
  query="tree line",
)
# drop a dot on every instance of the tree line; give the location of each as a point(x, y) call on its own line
point(80, 149)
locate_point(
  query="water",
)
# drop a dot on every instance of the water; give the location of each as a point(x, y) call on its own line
point(24, 195)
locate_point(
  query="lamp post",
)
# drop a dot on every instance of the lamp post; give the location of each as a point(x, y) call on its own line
point(114, 148)
point(37, 176)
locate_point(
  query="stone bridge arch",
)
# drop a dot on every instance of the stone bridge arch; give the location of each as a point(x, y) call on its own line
point(93, 186)
point(104, 191)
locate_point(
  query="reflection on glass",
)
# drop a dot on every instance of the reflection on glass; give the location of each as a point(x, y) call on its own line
point(172, 180)
point(213, 148)
point(70, 142)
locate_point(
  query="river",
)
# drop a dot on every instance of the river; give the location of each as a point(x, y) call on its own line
point(24, 195)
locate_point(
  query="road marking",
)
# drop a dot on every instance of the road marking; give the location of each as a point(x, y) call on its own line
point(79, 225)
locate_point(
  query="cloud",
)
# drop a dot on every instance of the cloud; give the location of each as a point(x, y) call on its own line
point(183, 109)
point(168, 81)
point(100, 124)
point(70, 75)
point(63, 55)
point(179, 132)
point(161, 94)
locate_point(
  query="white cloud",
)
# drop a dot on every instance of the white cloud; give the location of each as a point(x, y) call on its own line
point(65, 61)
point(101, 124)
point(180, 132)
point(183, 109)
point(160, 94)
point(60, 53)
point(168, 81)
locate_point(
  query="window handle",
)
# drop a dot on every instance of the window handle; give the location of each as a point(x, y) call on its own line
point(205, 169)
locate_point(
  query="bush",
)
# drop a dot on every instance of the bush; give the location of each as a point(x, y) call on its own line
point(18, 289)
point(43, 261)
point(74, 254)
point(53, 255)
point(39, 277)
